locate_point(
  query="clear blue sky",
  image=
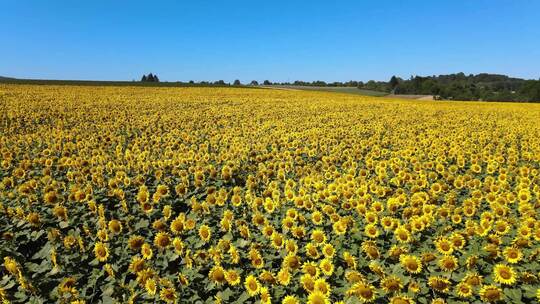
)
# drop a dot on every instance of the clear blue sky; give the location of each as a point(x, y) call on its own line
point(275, 40)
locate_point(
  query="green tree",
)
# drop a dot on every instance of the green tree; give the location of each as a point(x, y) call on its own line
point(394, 82)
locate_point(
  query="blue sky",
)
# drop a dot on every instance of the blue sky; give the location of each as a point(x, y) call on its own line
point(275, 40)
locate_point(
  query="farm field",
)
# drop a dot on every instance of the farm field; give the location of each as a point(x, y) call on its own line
point(347, 90)
point(237, 195)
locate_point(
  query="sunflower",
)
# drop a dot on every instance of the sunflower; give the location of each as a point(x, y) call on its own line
point(402, 234)
point(252, 285)
point(312, 251)
point(391, 283)
point(448, 263)
point(322, 286)
point(232, 277)
point(178, 245)
point(101, 251)
point(168, 295)
point(317, 297)
point(266, 298)
point(473, 279)
point(11, 265)
point(137, 264)
point(311, 269)
point(290, 300)
point(284, 276)
point(439, 284)
point(328, 250)
point(115, 226)
point(150, 286)
point(504, 274)
point(411, 263)
point(205, 233)
point(177, 225)
point(291, 261)
point(277, 240)
point(146, 251)
point(464, 290)
point(317, 218)
point(444, 246)
point(326, 266)
point(135, 242)
point(308, 282)
point(365, 292)
point(371, 231)
point(491, 293)
point(217, 274)
point(512, 255)
point(162, 240)
point(318, 236)
point(370, 248)
point(399, 299)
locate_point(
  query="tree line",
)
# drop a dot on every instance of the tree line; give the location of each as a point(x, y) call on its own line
point(488, 87)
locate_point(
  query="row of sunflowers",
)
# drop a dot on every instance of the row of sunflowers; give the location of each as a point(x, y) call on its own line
point(233, 195)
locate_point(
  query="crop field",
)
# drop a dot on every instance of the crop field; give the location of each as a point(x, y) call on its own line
point(235, 195)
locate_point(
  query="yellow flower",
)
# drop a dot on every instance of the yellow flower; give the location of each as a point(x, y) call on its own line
point(162, 240)
point(371, 231)
point(290, 300)
point(513, 255)
point(444, 246)
point(391, 283)
point(137, 264)
point(448, 263)
point(401, 300)
point(322, 286)
point(150, 287)
point(205, 233)
point(168, 295)
point(317, 297)
point(411, 263)
point(439, 284)
point(146, 251)
point(402, 235)
point(491, 293)
point(101, 251)
point(217, 274)
point(326, 266)
point(252, 285)
point(363, 291)
point(232, 277)
point(504, 274)
point(464, 290)
point(11, 265)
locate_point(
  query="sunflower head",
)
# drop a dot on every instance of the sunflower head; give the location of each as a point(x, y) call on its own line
point(504, 274)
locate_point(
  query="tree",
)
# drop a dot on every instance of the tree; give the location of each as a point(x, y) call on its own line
point(267, 82)
point(150, 77)
point(394, 82)
point(254, 82)
point(144, 79)
point(156, 79)
point(237, 82)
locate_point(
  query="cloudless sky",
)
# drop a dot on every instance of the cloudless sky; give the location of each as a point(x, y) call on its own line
point(275, 40)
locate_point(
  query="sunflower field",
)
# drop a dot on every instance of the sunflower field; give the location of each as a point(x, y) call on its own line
point(238, 195)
